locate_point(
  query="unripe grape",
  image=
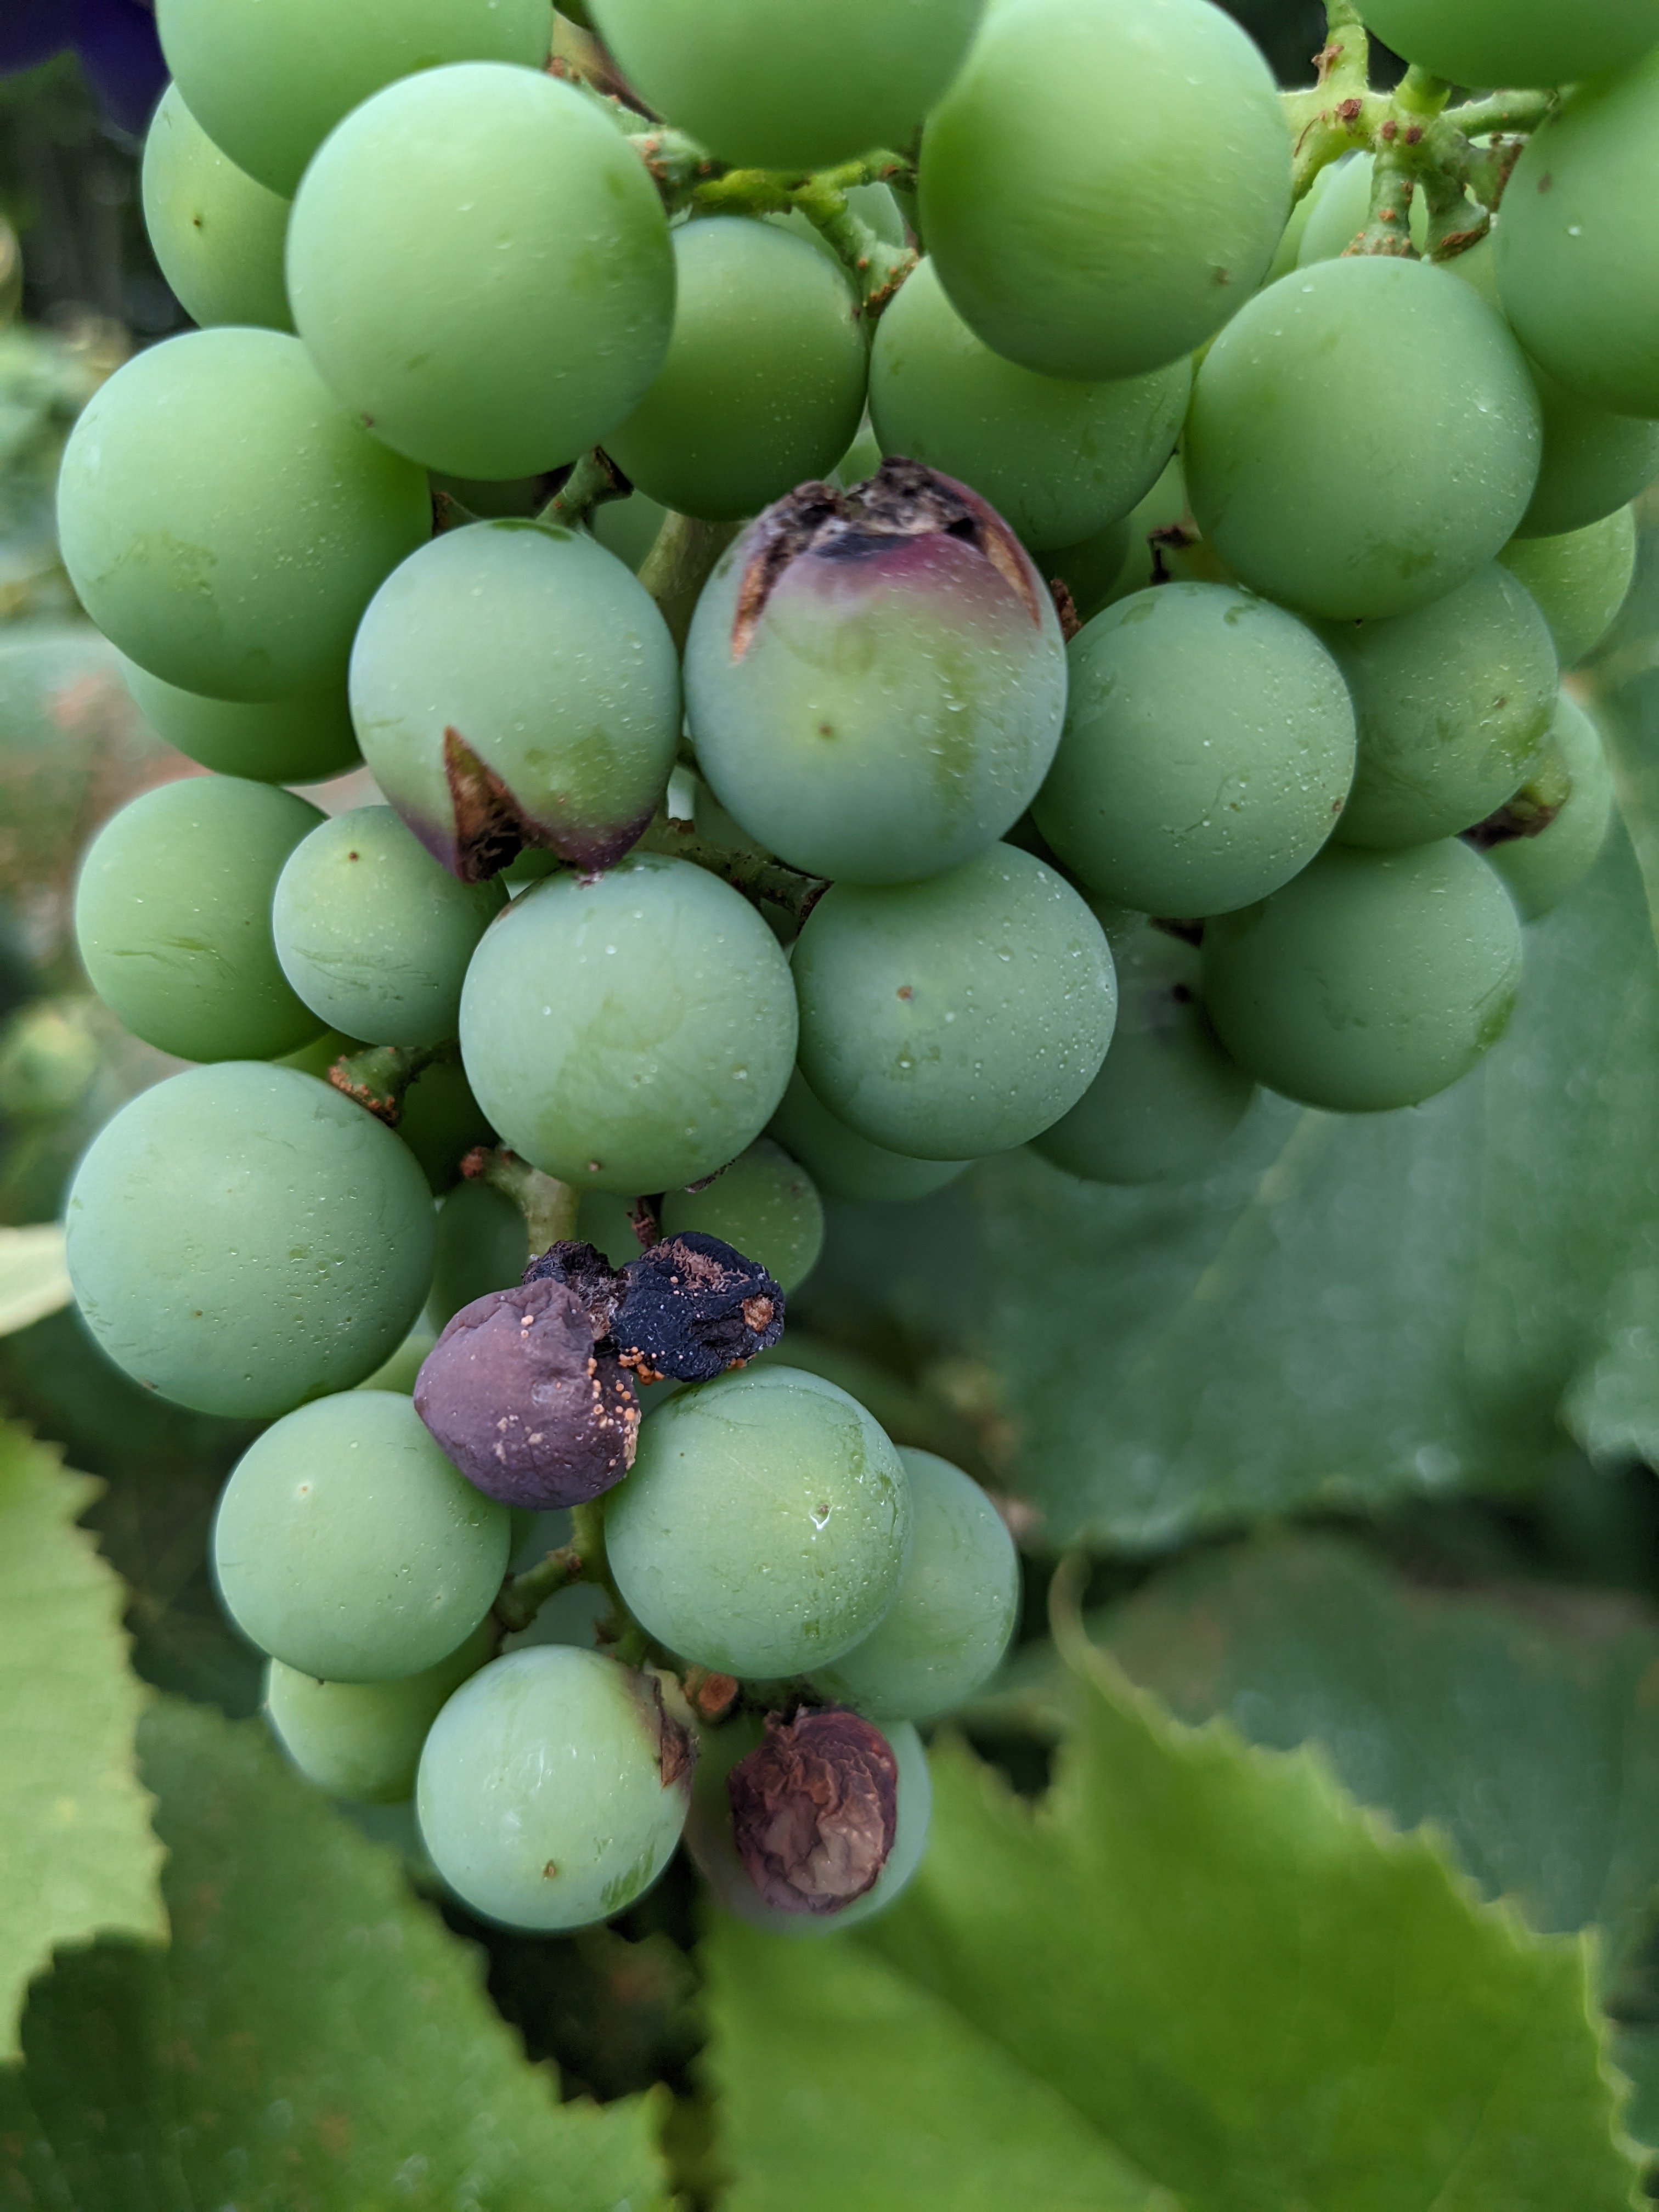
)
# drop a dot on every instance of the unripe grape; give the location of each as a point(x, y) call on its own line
point(1168, 1097)
point(1593, 462)
point(225, 521)
point(480, 266)
point(1058, 459)
point(304, 740)
point(1071, 227)
point(348, 1547)
point(1362, 436)
point(1373, 981)
point(764, 1205)
point(1208, 748)
point(1542, 861)
point(793, 88)
point(1528, 42)
point(628, 527)
point(363, 1739)
point(480, 1248)
point(846, 1165)
point(764, 379)
point(765, 1526)
point(875, 679)
point(1579, 580)
point(373, 934)
point(441, 1122)
point(242, 1238)
point(958, 1016)
point(513, 683)
point(173, 918)
point(217, 234)
point(553, 1787)
point(1453, 701)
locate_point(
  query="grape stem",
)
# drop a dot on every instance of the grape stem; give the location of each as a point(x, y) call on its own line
point(762, 879)
point(679, 564)
point(521, 1597)
point(378, 1076)
point(549, 1207)
point(594, 480)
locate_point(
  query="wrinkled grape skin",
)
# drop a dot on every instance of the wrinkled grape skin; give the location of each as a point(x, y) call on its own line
point(541, 1796)
point(1453, 701)
point(272, 741)
point(216, 232)
point(481, 1247)
point(1058, 459)
point(1595, 462)
point(373, 934)
point(242, 1238)
point(1579, 580)
point(765, 1526)
point(269, 82)
point(1578, 251)
point(763, 1206)
point(1168, 1098)
point(958, 1016)
point(1519, 42)
point(480, 268)
point(946, 1631)
point(846, 1165)
point(794, 88)
point(764, 379)
point(1540, 871)
point(665, 1046)
point(1373, 981)
point(1071, 227)
point(362, 1740)
point(348, 1547)
point(1413, 380)
point(709, 1840)
point(551, 663)
point(1208, 749)
point(225, 521)
point(173, 918)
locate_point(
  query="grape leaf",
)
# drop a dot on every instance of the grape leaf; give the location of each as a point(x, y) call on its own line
point(1239, 1980)
point(76, 1853)
point(313, 2041)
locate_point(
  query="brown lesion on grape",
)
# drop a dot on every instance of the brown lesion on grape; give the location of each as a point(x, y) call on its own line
point(490, 831)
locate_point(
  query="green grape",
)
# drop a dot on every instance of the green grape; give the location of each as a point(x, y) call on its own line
point(552, 1791)
point(860, 460)
point(662, 1048)
point(946, 1632)
point(348, 1547)
point(765, 1526)
point(482, 1246)
point(708, 1831)
point(1089, 569)
point(270, 741)
point(173, 918)
point(1071, 226)
point(1288, 251)
point(1593, 462)
point(1119, 559)
point(1058, 459)
point(442, 1122)
point(1580, 580)
point(1577, 257)
point(764, 1205)
point(225, 520)
point(480, 268)
point(269, 79)
point(604, 1220)
point(764, 380)
point(846, 1165)
point(512, 681)
point(217, 233)
point(373, 934)
point(1208, 748)
point(1168, 1097)
point(628, 527)
point(1528, 42)
point(402, 1371)
point(771, 88)
point(242, 1238)
point(1409, 377)
point(1540, 866)
point(363, 1739)
point(1453, 701)
point(958, 1016)
point(1373, 981)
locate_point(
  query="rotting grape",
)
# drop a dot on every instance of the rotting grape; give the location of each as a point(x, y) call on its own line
point(765, 1204)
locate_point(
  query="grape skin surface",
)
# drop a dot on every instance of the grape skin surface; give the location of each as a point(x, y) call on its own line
point(763, 1206)
point(958, 1016)
point(480, 266)
point(665, 1046)
point(225, 521)
point(217, 234)
point(348, 1547)
point(846, 1165)
point(1579, 580)
point(1595, 462)
point(481, 1247)
point(173, 918)
point(946, 1632)
point(765, 1525)
point(1540, 870)
point(305, 740)
point(1516, 42)
point(362, 1740)
point(241, 1237)
point(541, 1796)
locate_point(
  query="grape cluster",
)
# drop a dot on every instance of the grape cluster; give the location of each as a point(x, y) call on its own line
point(913, 581)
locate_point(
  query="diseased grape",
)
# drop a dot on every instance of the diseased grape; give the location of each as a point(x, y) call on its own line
point(764, 1205)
